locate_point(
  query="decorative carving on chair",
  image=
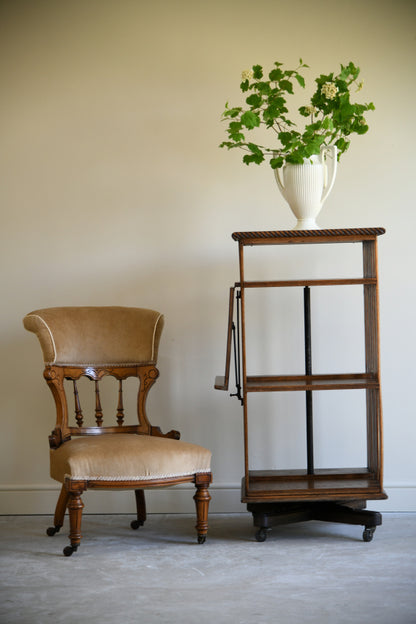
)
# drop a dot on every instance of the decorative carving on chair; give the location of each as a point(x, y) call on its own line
point(98, 409)
point(120, 407)
point(78, 411)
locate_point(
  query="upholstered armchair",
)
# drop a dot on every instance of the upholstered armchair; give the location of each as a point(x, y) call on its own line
point(122, 343)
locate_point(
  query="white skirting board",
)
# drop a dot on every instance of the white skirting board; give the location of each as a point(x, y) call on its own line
point(41, 499)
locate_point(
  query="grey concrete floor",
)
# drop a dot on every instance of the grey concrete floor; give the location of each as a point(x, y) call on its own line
point(309, 572)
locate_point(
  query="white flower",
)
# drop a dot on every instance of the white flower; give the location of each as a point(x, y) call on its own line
point(329, 90)
point(311, 110)
point(247, 74)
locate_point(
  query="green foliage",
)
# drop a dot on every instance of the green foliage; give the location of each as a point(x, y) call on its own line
point(332, 115)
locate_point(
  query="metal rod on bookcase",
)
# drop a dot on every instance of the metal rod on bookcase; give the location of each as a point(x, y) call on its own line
point(308, 371)
point(237, 354)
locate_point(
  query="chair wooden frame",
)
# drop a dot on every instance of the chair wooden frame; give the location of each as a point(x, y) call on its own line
point(72, 489)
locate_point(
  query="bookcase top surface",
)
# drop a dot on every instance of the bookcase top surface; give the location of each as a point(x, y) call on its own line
point(308, 236)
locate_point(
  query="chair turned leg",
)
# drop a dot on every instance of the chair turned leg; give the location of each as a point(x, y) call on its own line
point(75, 507)
point(202, 498)
point(60, 510)
point(141, 510)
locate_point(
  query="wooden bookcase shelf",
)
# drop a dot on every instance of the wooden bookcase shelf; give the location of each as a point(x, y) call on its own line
point(333, 484)
point(337, 495)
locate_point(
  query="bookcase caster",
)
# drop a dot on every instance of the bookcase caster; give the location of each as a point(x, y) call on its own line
point(261, 534)
point(368, 533)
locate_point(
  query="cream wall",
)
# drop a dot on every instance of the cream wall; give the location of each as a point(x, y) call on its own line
point(113, 191)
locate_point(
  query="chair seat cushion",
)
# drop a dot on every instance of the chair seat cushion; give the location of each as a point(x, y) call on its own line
point(127, 457)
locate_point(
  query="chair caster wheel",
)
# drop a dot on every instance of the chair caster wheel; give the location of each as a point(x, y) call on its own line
point(135, 524)
point(368, 533)
point(52, 530)
point(68, 550)
point(201, 539)
point(261, 535)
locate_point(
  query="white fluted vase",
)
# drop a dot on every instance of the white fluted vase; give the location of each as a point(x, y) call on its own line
point(305, 187)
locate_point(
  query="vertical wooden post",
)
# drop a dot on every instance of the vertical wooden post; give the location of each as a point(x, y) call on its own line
point(372, 359)
point(202, 498)
point(243, 349)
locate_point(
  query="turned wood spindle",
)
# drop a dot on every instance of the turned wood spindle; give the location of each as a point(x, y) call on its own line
point(98, 408)
point(78, 411)
point(120, 408)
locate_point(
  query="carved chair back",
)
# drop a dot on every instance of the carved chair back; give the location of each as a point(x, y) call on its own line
point(97, 342)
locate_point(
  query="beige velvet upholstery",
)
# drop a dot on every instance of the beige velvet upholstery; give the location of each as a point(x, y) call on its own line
point(97, 335)
point(126, 457)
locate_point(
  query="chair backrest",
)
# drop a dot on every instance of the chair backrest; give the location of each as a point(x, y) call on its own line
point(96, 342)
point(105, 336)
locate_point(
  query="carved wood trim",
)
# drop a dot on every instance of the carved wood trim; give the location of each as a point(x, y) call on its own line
point(147, 376)
point(55, 376)
point(307, 236)
point(55, 379)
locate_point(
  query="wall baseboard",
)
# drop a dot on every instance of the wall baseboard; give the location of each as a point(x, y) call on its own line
point(41, 499)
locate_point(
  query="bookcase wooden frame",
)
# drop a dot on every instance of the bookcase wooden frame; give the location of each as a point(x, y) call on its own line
point(340, 495)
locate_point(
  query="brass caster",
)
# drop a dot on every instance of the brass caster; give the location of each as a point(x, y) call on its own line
point(52, 530)
point(201, 539)
point(135, 524)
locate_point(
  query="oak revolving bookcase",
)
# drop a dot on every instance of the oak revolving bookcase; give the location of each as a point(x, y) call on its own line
point(334, 494)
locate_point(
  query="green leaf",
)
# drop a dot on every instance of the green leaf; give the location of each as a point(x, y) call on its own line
point(277, 162)
point(342, 145)
point(254, 100)
point(253, 158)
point(327, 123)
point(350, 72)
point(255, 149)
point(250, 120)
point(304, 112)
point(274, 110)
point(275, 75)
point(285, 138)
point(300, 79)
point(257, 72)
point(234, 131)
point(263, 88)
point(296, 158)
point(237, 137)
point(286, 85)
point(231, 112)
point(230, 144)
